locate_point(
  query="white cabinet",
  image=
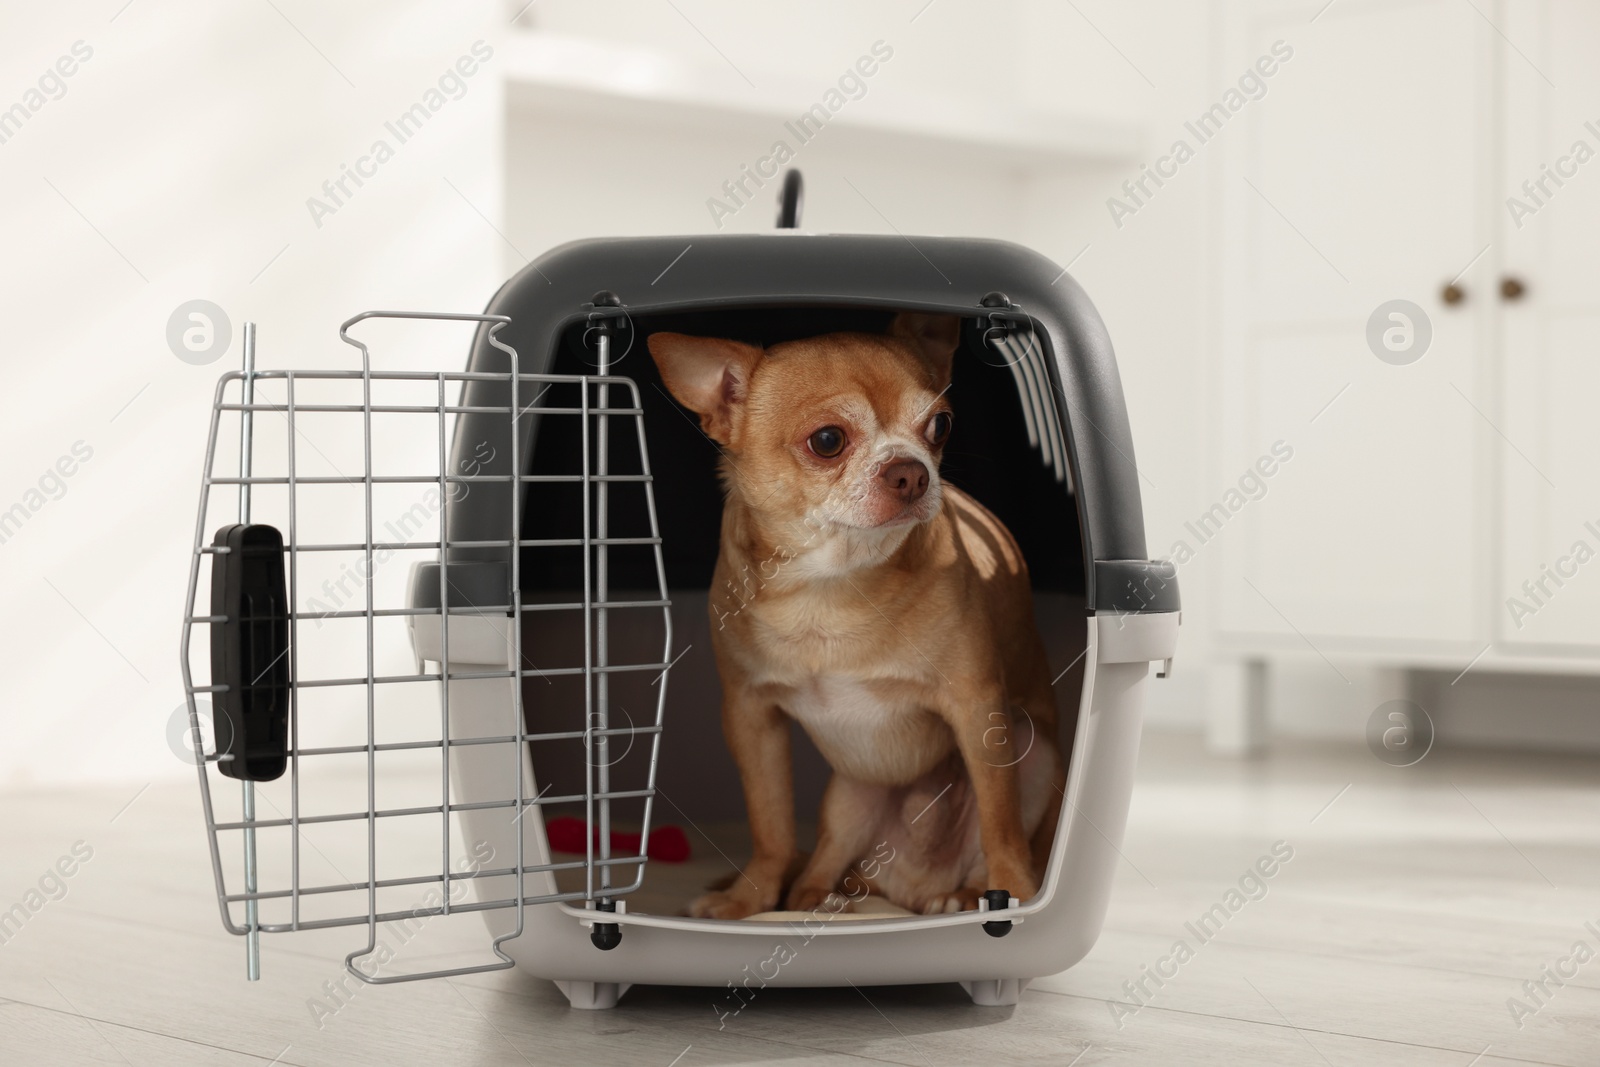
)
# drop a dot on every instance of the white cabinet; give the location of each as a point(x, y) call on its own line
point(1421, 495)
point(1549, 369)
point(1360, 180)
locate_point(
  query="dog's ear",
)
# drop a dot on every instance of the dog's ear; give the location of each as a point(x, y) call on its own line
point(935, 337)
point(709, 375)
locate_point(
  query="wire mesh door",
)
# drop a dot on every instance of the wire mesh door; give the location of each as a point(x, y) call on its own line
point(327, 695)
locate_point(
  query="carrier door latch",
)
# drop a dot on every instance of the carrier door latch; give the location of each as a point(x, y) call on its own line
point(250, 652)
point(1000, 318)
point(997, 900)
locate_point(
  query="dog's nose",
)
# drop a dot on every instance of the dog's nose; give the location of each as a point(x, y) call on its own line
point(906, 479)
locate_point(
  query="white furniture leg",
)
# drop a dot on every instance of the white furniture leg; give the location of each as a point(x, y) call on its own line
point(1236, 715)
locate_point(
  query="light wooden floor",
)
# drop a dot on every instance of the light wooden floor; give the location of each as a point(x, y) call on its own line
point(1416, 904)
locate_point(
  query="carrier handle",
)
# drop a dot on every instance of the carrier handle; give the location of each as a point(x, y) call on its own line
point(791, 200)
point(249, 652)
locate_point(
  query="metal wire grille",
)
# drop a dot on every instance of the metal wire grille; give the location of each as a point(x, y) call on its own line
point(270, 867)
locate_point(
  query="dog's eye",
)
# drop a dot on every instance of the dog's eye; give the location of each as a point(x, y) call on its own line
point(939, 428)
point(827, 442)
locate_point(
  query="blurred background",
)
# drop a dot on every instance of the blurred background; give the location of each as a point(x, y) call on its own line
point(1245, 189)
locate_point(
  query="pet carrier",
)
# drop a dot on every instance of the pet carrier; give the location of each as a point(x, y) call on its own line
point(448, 613)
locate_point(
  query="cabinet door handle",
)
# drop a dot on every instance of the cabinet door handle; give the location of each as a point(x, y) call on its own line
point(1511, 288)
point(1452, 294)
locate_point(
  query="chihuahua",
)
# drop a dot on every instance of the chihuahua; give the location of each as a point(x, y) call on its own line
point(886, 611)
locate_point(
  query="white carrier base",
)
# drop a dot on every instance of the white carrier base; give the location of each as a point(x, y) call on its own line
point(1054, 930)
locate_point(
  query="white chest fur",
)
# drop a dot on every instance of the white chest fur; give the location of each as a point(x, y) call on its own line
point(849, 709)
point(873, 730)
point(822, 652)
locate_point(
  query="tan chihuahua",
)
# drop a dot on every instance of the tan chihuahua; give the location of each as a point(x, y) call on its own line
point(888, 613)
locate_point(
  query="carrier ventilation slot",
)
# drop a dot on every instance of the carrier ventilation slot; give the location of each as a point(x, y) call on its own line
point(1040, 414)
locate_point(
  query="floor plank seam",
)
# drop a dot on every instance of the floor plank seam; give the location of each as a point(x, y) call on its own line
point(152, 1033)
point(1324, 955)
point(676, 1027)
point(1309, 1029)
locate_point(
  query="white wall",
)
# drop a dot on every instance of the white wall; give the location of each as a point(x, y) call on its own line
point(191, 140)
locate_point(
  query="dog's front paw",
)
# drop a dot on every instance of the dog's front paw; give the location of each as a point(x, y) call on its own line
point(727, 904)
point(964, 899)
point(817, 898)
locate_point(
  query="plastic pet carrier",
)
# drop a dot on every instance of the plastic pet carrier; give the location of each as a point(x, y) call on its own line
point(459, 662)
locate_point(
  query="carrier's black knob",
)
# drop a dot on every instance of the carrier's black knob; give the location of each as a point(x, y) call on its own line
point(606, 936)
point(998, 900)
point(994, 324)
point(790, 201)
point(603, 319)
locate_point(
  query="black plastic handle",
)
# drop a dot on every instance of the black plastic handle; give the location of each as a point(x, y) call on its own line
point(250, 653)
point(790, 201)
